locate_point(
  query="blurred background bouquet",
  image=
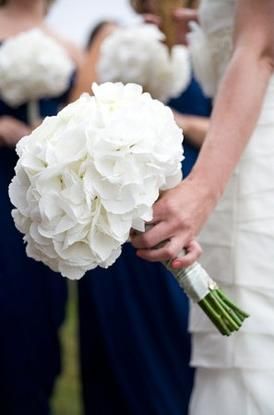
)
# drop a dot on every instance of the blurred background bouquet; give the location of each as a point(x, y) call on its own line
point(33, 65)
point(138, 54)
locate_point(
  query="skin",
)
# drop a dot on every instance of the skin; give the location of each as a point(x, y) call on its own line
point(11, 130)
point(181, 213)
point(87, 73)
point(194, 127)
point(18, 16)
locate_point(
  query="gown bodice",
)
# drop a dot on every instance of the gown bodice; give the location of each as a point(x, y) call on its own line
point(211, 47)
point(216, 15)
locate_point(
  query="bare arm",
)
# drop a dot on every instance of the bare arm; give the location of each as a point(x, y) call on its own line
point(181, 213)
point(87, 72)
point(194, 127)
point(11, 131)
point(240, 95)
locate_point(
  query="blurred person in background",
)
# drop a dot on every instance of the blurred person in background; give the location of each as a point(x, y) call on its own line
point(134, 344)
point(192, 108)
point(87, 73)
point(32, 298)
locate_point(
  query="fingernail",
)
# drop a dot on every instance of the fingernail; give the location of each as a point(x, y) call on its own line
point(176, 264)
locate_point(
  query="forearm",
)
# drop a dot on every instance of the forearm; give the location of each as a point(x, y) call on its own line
point(236, 110)
point(194, 127)
point(87, 73)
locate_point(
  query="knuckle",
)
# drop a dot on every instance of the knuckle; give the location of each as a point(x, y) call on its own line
point(187, 262)
point(187, 223)
point(146, 242)
point(169, 252)
point(181, 222)
point(170, 206)
point(197, 248)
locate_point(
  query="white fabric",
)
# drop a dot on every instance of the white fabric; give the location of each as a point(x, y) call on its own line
point(240, 392)
point(211, 45)
point(238, 244)
point(195, 281)
point(238, 241)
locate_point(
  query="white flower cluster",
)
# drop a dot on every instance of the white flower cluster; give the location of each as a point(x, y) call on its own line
point(88, 175)
point(33, 65)
point(138, 55)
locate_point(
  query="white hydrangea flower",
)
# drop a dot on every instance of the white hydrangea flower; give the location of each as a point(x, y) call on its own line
point(88, 175)
point(138, 55)
point(33, 65)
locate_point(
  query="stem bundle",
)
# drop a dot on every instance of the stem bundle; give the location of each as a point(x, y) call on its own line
point(199, 287)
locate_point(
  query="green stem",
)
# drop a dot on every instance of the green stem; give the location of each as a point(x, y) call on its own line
point(222, 309)
point(232, 305)
point(214, 317)
point(236, 317)
point(223, 313)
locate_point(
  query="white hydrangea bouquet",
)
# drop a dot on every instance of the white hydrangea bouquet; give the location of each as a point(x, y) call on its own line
point(138, 55)
point(33, 65)
point(89, 175)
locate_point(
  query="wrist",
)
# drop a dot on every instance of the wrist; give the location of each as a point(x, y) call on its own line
point(209, 191)
point(186, 125)
point(2, 140)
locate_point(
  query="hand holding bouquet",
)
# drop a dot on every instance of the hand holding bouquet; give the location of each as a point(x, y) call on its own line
point(88, 175)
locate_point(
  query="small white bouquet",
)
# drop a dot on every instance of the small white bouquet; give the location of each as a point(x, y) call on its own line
point(88, 175)
point(138, 55)
point(33, 65)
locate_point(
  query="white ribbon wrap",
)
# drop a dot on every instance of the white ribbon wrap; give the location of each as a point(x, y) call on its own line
point(195, 281)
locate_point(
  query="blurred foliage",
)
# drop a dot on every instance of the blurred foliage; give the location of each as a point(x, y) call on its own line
point(66, 399)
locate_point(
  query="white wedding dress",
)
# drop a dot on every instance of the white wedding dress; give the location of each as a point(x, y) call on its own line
point(235, 375)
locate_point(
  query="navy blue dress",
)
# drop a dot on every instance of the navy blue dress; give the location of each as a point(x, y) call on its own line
point(32, 303)
point(134, 344)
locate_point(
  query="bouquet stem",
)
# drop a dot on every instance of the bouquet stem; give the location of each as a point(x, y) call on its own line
point(199, 287)
point(33, 113)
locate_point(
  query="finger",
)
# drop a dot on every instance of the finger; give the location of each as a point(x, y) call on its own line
point(161, 209)
point(164, 253)
point(152, 18)
point(184, 14)
point(22, 130)
point(153, 237)
point(18, 133)
point(10, 137)
point(193, 252)
point(15, 132)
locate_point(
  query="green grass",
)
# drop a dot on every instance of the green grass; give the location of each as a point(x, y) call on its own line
point(66, 399)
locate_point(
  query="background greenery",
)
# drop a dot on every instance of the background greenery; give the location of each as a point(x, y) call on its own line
point(67, 395)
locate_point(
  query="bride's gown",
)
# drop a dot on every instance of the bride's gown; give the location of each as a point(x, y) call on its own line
point(236, 375)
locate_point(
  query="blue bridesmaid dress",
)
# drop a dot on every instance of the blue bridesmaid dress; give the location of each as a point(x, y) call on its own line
point(191, 102)
point(134, 343)
point(32, 303)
